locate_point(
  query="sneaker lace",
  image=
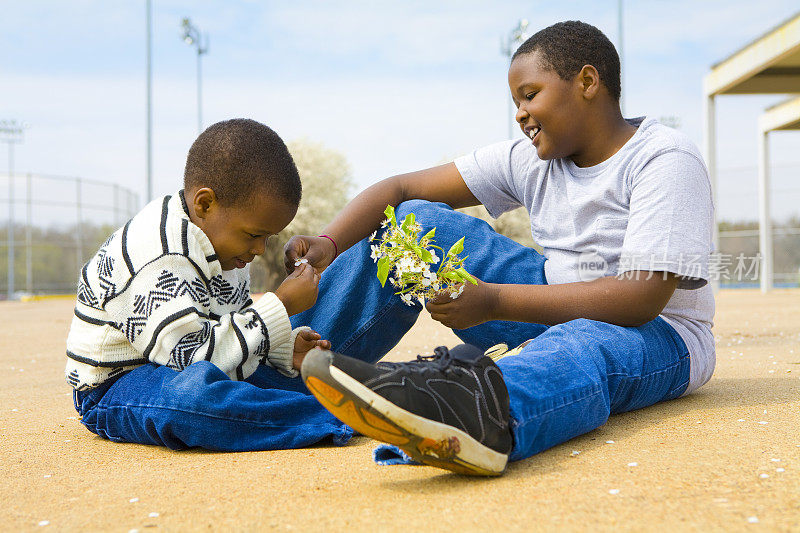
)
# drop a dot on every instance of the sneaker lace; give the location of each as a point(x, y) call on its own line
point(440, 360)
point(441, 357)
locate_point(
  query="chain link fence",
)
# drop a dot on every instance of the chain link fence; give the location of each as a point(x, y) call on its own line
point(59, 222)
point(51, 225)
point(739, 258)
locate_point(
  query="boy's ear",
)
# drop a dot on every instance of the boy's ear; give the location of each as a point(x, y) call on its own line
point(589, 80)
point(204, 200)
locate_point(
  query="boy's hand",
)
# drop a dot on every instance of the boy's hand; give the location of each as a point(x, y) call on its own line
point(476, 305)
point(319, 251)
point(298, 291)
point(305, 341)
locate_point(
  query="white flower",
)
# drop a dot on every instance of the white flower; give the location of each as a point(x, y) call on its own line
point(435, 257)
point(375, 255)
point(456, 293)
point(375, 252)
point(406, 299)
point(385, 223)
point(373, 235)
point(408, 263)
point(426, 282)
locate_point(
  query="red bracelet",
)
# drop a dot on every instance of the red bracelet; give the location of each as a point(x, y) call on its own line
point(335, 248)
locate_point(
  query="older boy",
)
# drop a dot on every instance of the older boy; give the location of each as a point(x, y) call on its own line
point(166, 346)
point(617, 309)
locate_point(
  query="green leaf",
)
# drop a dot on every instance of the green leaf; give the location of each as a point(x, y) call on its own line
point(384, 265)
point(407, 222)
point(389, 212)
point(426, 255)
point(466, 276)
point(457, 248)
point(430, 234)
point(452, 276)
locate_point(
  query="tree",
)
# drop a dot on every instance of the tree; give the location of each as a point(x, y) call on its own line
point(326, 179)
point(515, 225)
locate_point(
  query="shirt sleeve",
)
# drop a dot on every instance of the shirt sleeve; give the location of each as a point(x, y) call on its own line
point(490, 172)
point(165, 315)
point(671, 219)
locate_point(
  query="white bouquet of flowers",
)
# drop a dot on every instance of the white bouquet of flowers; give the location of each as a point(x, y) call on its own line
point(402, 252)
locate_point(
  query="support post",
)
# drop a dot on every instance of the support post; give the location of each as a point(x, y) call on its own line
point(710, 149)
point(764, 215)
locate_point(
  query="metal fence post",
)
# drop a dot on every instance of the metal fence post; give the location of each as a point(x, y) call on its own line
point(116, 206)
point(28, 238)
point(79, 230)
point(10, 238)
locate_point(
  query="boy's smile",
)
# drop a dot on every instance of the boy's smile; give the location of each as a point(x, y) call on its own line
point(238, 233)
point(573, 119)
point(547, 106)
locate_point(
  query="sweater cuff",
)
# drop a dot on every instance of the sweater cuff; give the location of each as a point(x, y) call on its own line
point(279, 329)
point(285, 352)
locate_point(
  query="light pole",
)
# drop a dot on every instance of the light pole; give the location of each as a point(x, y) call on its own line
point(11, 133)
point(508, 46)
point(193, 37)
point(149, 98)
point(620, 27)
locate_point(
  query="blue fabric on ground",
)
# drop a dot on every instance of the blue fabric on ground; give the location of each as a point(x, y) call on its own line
point(387, 455)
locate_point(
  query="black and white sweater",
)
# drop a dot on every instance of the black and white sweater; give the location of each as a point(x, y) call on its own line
point(156, 292)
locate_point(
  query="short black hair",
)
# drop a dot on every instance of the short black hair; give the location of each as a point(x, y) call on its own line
point(239, 159)
point(567, 46)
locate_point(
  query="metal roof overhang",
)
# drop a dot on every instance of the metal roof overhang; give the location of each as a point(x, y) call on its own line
point(768, 65)
point(782, 116)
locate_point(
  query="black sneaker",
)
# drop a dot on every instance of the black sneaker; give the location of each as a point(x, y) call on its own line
point(445, 410)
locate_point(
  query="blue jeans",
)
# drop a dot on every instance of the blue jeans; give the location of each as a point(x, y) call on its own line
point(201, 406)
point(566, 382)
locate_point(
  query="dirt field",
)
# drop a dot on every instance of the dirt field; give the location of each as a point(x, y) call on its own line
point(725, 458)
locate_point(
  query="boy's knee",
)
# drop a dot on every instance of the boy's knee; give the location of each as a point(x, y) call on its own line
point(423, 209)
point(193, 385)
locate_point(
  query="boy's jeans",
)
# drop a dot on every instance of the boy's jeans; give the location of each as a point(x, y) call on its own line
point(566, 382)
point(201, 406)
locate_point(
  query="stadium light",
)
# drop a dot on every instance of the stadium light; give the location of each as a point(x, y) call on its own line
point(193, 37)
point(11, 133)
point(508, 46)
point(149, 99)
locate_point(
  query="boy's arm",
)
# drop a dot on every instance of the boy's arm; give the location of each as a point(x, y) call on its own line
point(364, 213)
point(631, 299)
point(164, 313)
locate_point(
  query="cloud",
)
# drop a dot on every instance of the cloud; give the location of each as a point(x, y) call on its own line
point(393, 87)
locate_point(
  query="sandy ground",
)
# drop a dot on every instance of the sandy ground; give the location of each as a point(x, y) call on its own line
point(724, 458)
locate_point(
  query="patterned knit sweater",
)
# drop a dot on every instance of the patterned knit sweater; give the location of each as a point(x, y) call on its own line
point(156, 292)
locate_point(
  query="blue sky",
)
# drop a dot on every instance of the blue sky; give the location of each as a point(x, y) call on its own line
point(393, 86)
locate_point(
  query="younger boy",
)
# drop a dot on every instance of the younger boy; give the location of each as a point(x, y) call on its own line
point(166, 346)
point(617, 309)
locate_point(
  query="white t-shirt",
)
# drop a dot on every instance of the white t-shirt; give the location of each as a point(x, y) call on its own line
point(648, 207)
